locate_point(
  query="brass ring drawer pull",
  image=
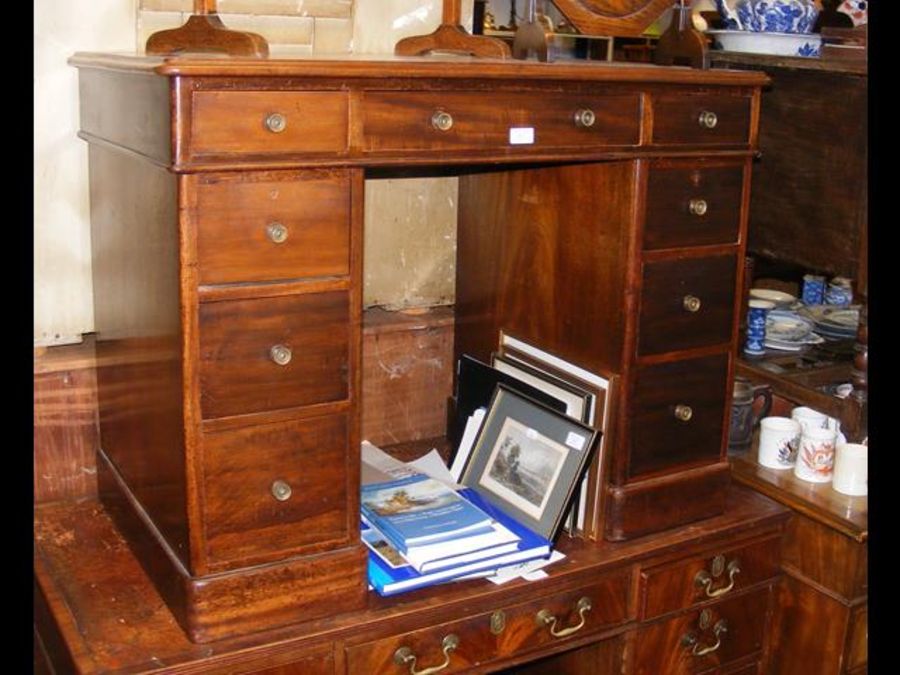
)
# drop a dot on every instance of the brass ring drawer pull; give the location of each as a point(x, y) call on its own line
point(692, 641)
point(704, 580)
point(546, 618)
point(276, 123)
point(405, 656)
point(280, 354)
point(683, 413)
point(277, 233)
point(281, 490)
point(708, 119)
point(691, 303)
point(697, 207)
point(585, 118)
point(442, 121)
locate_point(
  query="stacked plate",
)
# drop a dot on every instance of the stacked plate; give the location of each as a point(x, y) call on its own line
point(834, 323)
point(788, 331)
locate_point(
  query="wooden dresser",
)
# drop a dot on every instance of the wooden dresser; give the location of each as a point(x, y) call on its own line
point(602, 215)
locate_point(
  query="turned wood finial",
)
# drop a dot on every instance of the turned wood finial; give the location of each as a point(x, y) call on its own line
point(681, 44)
point(450, 36)
point(205, 32)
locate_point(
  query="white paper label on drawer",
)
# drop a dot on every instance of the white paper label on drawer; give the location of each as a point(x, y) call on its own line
point(574, 440)
point(521, 135)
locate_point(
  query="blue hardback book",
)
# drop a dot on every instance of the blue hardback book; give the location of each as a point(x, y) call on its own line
point(419, 509)
point(389, 573)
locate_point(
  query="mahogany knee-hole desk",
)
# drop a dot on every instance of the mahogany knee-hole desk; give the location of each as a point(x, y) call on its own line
point(602, 215)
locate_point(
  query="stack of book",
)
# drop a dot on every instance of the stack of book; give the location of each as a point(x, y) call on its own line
point(421, 531)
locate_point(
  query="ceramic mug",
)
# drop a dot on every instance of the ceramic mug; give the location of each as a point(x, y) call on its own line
point(743, 418)
point(851, 469)
point(810, 418)
point(779, 438)
point(815, 458)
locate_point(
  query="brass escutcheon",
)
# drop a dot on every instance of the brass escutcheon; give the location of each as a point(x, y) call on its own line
point(498, 622)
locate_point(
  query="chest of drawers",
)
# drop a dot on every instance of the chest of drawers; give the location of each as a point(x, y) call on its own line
point(601, 215)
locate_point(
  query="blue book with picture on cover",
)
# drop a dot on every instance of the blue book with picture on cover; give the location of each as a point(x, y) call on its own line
point(390, 573)
point(419, 509)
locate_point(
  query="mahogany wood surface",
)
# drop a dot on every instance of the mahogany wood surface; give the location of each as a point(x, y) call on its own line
point(666, 324)
point(450, 36)
point(237, 372)
point(110, 618)
point(236, 211)
point(612, 17)
point(669, 222)
point(205, 32)
point(661, 649)
point(676, 118)
point(245, 523)
point(659, 439)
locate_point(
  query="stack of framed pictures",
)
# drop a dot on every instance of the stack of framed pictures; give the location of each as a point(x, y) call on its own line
point(537, 450)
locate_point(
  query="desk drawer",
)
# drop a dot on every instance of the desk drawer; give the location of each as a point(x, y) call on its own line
point(272, 353)
point(269, 226)
point(693, 206)
point(275, 489)
point(707, 118)
point(686, 303)
point(482, 121)
point(481, 641)
point(677, 413)
point(675, 586)
point(677, 646)
point(268, 123)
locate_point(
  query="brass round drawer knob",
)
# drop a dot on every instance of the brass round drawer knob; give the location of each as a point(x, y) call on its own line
point(697, 207)
point(442, 121)
point(281, 490)
point(277, 233)
point(280, 354)
point(585, 118)
point(683, 413)
point(708, 119)
point(691, 303)
point(276, 123)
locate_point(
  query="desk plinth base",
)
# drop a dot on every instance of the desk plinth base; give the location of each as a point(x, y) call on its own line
point(242, 601)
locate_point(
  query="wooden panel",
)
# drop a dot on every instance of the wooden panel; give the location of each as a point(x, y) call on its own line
point(403, 121)
point(660, 648)
point(135, 252)
point(808, 632)
point(669, 221)
point(673, 587)
point(666, 323)
point(572, 224)
point(234, 212)
point(234, 122)
point(808, 206)
point(65, 423)
point(826, 557)
point(607, 656)
point(237, 373)
point(676, 119)
point(407, 362)
point(244, 522)
point(658, 439)
point(857, 650)
point(522, 634)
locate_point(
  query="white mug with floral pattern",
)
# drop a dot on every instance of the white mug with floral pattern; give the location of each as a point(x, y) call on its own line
point(815, 458)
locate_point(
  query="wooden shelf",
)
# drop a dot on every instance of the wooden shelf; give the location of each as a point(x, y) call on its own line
point(723, 58)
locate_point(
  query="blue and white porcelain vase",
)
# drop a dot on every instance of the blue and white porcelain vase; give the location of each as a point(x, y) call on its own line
point(757, 313)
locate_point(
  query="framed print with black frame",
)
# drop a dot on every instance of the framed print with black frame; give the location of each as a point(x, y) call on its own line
point(528, 459)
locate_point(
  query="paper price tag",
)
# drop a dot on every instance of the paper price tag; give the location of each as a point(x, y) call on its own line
point(521, 136)
point(574, 440)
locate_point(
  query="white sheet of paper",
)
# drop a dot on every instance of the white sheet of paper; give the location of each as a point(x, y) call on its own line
point(473, 425)
point(525, 570)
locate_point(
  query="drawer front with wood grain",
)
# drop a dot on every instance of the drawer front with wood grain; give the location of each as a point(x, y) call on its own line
point(720, 574)
point(705, 639)
point(686, 303)
point(275, 489)
point(273, 353)
point(692, 205)
point(268, 123)
point(677, 413)
point(505, 633)
point(705, 118)
point(491, 122)
point(267, 226)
